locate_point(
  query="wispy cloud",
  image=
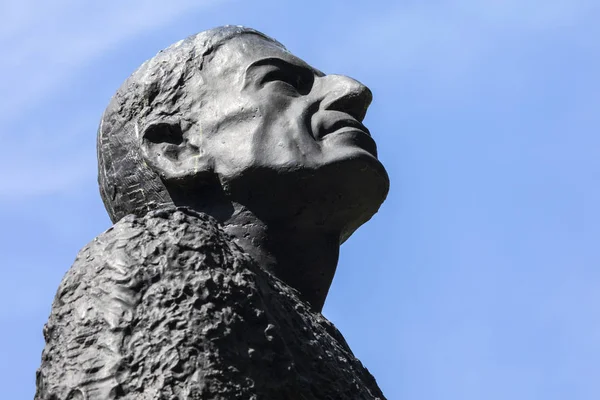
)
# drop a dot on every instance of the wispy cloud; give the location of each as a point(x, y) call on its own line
point(45, 42)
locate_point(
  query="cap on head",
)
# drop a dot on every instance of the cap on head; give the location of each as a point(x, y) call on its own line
point(156, 89)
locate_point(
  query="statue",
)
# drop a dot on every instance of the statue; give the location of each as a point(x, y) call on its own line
point(233, 171)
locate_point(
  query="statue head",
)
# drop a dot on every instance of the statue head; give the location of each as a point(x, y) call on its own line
point(231, 114)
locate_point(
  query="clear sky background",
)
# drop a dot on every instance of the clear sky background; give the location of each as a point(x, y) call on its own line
point(478, 279)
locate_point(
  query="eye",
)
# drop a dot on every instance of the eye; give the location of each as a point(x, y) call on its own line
point(300, 80)
point(164, 132)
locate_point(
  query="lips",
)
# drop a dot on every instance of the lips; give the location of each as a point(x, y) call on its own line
point(338, 123)
point(343, 125)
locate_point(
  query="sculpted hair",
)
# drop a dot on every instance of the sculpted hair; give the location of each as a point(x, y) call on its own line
point(156, 90)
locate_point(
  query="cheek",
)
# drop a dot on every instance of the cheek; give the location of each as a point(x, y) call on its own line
point(231, 142)
point(260, 129)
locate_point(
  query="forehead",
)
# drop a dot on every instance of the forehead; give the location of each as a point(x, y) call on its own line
point(241, 51)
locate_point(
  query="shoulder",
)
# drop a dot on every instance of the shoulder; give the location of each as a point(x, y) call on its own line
point(135, 248)
point(141, 237)
point(174, 226)
point(122, 287)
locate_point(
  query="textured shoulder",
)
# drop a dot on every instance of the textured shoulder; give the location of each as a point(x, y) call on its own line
point(123, 275)
point(133, 248)
point(141, 239)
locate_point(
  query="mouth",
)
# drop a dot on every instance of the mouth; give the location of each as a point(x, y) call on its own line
point(340, 124)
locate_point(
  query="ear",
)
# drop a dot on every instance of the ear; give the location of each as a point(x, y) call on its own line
point(168, 152)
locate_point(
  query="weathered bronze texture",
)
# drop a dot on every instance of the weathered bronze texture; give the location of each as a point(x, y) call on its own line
point(233, 171)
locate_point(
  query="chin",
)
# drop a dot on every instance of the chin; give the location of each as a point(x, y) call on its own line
point(356, 184)
point(337, 194)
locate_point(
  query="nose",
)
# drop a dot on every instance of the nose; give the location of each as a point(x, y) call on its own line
point(342, 93)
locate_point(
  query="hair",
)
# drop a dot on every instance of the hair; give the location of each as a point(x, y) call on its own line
point(156, 88)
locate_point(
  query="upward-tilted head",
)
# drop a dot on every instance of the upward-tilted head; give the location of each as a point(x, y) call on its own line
point(229, 122)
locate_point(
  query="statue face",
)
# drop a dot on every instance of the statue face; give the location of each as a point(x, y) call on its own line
point(284, 138)
point(270, 109)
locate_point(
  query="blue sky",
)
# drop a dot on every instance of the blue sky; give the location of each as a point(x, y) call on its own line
point(478, 279)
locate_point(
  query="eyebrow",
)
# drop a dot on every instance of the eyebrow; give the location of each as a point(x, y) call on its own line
point(281, 63)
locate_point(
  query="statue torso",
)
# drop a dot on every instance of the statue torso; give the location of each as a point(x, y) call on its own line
point(168, 307)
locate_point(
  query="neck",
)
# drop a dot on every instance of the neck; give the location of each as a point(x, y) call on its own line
point(304, 258)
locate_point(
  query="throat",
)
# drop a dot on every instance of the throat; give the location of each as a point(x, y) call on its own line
point(304, 259)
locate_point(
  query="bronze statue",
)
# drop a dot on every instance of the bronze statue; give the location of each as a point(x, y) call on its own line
point(233, 171)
